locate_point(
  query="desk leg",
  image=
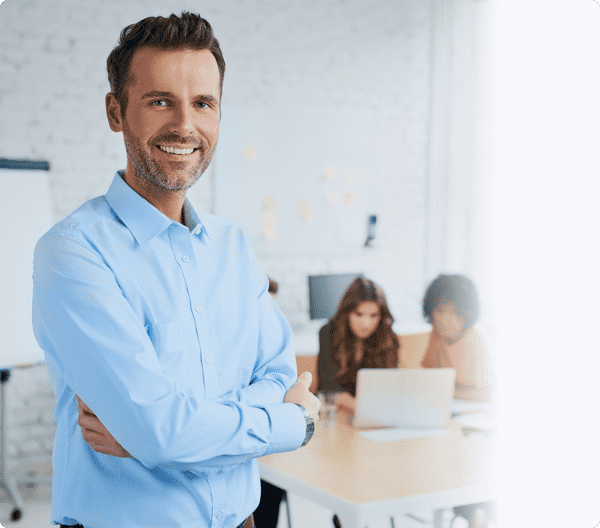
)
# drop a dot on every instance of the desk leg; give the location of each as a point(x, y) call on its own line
point(349, 520)
point(438, 519)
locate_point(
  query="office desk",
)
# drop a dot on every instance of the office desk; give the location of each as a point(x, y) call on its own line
point(361, 480)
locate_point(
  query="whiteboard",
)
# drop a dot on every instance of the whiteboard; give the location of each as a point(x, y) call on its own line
point(297, 180)
point(25, 216)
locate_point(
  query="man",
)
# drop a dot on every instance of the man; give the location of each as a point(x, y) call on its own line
point(157, 321)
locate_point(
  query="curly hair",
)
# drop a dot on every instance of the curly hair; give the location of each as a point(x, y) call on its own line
point(456, 289)
point(189, 31)
point(381, 348)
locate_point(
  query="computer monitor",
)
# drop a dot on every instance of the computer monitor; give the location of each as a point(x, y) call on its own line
point(326, 291)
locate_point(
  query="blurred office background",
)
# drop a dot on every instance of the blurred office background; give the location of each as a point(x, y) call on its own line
point(405, 74)
point(409, 76)
point(416, 71)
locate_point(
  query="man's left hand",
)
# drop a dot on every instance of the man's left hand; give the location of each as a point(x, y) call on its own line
point(95, 434)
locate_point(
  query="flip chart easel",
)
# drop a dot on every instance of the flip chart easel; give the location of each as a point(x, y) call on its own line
point(25, 216)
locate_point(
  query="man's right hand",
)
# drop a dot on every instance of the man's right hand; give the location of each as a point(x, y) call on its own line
point(95, 434)
point(300, 395)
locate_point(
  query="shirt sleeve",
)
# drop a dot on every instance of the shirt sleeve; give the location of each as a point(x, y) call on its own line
point(326, 367)
point(92, 335)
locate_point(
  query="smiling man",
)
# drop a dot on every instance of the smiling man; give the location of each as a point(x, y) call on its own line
point(172, 366)
point(162, 156)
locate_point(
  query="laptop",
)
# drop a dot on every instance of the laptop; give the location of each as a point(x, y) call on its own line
point(404, 397)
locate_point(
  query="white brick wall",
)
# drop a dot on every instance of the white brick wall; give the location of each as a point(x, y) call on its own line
point(370, 55)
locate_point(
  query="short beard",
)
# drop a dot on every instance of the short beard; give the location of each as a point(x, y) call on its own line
point(149, 170)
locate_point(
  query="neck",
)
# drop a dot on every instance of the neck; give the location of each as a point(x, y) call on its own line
point(449, 340)
point(168, 202)
point(359, 350)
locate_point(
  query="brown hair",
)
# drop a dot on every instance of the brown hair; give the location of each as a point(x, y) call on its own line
point(273, 286)
point(381, 348)
point(189, 31)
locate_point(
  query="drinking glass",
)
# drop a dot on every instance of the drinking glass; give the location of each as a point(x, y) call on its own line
point(328, 412)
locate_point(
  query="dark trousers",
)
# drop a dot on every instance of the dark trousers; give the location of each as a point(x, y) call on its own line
point(248, 523)
point(267, 513)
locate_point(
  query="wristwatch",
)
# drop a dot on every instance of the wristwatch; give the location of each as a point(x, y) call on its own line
point(310, 425)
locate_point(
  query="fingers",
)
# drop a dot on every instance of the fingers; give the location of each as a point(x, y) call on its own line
point(99, 438)
point(101, 445)
point(306, 379)
point(91, 422)
point(82, 405)
point(313, 405)
point(300, 390)
point(95, 434)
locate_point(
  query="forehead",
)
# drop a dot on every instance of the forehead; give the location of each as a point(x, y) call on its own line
point(177, 71)
point(367, 307)
point(445, 306)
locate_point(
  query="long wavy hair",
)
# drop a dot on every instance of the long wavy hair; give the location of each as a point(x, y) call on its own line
point(381, 349)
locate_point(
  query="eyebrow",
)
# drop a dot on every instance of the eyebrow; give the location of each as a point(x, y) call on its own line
point(206, 98)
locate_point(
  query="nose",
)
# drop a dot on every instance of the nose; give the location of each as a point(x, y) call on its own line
point(182, 123)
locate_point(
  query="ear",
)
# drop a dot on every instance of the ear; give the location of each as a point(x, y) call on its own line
point(113, 112)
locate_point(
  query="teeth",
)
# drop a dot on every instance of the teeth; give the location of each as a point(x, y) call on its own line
point(172, 150)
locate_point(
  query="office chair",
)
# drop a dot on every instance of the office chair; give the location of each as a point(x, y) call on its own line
point(469, 513)
point(287, 509)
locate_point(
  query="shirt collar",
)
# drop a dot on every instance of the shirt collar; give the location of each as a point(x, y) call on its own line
point(143, 219)
point(192, 220)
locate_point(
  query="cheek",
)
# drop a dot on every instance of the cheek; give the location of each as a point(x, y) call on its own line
point(445, 321)
point(212, 130)
point(146, 124)
point(151, 125)
point(442, 323)
point(353, 323)
point(374, 324)
point(460, 325)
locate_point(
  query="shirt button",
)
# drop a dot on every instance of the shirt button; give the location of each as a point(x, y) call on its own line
point(208, 360)
point(197, 230)
point(185, 259)
point(198, 308)
point(218, 515)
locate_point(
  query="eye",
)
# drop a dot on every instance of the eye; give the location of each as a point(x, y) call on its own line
point(159, 102)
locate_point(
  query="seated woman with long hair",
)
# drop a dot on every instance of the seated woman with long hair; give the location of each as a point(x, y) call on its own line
point(359, 335)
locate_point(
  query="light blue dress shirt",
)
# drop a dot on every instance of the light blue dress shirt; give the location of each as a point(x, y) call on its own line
point(168, 333)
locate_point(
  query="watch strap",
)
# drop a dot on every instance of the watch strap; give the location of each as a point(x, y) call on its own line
point(310, 425)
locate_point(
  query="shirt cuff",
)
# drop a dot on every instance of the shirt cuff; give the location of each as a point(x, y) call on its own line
point(288, 427)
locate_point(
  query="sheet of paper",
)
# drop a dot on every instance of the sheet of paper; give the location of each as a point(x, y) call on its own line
point(480, 420)
point(393, 434)
point(462, 406)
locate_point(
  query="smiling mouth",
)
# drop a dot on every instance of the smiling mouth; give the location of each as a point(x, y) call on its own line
point(173, 150)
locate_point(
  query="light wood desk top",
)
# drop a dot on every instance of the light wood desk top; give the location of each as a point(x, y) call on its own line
point(361, 479)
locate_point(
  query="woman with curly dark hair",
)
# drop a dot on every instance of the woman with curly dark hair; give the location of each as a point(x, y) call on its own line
point(451, 305)
point(359, 335)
